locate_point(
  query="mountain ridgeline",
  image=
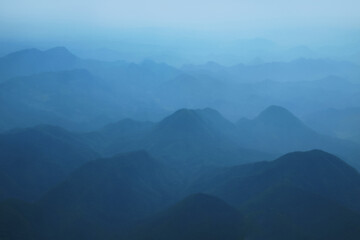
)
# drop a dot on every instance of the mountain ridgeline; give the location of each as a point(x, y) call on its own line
point(57, 87)
point(93, 150)
point(132, 196)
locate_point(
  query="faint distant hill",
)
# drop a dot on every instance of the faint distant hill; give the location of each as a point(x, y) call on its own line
point(342, 123)
point(302, 69)
point(150, 90)
point(56, 87)
point(198, 137)
point(187, 138)
point(194, 138)
point(67, 98)
point(277, 130)
point(32, 61)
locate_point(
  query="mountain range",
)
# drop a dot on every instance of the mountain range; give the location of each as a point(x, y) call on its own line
point(94, 149)
point(301, 195)
point(112, 89)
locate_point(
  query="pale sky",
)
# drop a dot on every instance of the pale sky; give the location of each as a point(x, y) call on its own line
point(19, 17)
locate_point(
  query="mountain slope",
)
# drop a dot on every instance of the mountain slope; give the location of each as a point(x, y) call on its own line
point(302, 69)
point(277, 130)
point(198, 216)
point(18, 221)
point(194, 138)
point(342, 123)
point(33, 160)
point(314, 171)
point(122, 136)
point(71, 99)
point(107, 196)
point(301, 195)
point(284, 212)
point(32, 61)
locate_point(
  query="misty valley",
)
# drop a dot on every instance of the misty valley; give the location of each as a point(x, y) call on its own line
point(93, 149)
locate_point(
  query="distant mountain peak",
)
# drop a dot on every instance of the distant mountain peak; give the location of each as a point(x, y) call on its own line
point(279, 115)
point(185, 118)
point(59, 51)
point(183, 114)
point(56, 51)
point(276, 109)
point(24, 52)
point(313, 155)
point(319, 161)
point(182, 119)
point(213, 64)
point(192, 125)
point(33, 61)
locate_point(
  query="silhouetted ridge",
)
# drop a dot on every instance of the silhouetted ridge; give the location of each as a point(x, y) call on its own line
point(25, 52)
point(314, 171)
point(59, 52)
point(277, 130)
point(182, 119)
point(110, 193)
point(197, 137)
point(198, 216)
point(312, 156)
point(184, 124)
point(278, 115)
point(32, 61)
point(56, 52)
point(195, 120)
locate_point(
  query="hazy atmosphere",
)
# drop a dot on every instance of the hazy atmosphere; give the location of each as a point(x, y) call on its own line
point(181, 120)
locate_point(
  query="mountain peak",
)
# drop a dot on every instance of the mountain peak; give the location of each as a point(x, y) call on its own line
point(317, 163)
point(59, 52)
point(182, 118)
point(313, 156)
point(33, 61)
point(193, 120)
point(31, 52)
point(24, 52)
point(275, 109)
point(187, 125)
point(278, 115)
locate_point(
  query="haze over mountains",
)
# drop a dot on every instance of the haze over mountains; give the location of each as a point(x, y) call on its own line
point(98, 92)
point(179, 120)
point(93, 149)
